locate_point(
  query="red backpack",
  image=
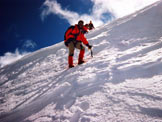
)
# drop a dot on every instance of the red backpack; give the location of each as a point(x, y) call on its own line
point(71, 27)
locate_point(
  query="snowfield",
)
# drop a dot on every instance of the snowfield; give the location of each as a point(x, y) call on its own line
point(121, 83)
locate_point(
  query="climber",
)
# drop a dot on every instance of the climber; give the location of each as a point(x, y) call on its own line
point(74, 36)
point(91, 26)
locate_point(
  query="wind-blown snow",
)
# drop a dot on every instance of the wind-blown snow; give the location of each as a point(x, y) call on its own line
point(9, 57)
point(121, 83)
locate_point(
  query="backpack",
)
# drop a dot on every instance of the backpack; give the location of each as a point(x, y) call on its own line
point(71, 27)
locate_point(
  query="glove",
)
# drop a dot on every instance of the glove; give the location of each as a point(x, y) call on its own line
point(89, 46)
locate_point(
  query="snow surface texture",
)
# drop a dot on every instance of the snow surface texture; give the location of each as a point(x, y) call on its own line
point(121, 83)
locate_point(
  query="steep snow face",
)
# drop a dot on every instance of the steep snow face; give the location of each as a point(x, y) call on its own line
point(122, 82)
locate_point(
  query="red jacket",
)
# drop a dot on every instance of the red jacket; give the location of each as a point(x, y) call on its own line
point(77, 34)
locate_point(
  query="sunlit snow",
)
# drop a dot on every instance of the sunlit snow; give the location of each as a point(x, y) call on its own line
point(121, 83)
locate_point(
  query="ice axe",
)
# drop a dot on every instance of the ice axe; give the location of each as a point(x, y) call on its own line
point(90, 48)
point(91, 52)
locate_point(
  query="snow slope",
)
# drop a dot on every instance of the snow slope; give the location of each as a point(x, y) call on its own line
point(121, 83)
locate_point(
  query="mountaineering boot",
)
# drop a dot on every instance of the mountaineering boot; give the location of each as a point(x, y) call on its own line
point(70, 61)
point(81, 55)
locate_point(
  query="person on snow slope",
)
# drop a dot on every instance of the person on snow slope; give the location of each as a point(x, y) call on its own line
point(74, 37)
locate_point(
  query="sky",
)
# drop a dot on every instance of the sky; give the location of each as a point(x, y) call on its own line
point(28, 25)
